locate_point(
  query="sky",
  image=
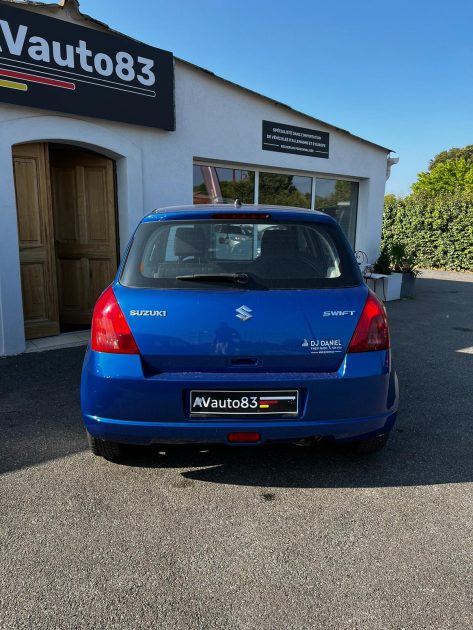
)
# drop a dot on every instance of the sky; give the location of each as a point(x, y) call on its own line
point(396, 73)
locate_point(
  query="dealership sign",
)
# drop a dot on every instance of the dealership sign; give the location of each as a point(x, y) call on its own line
point(298, 140)
point(52, 64)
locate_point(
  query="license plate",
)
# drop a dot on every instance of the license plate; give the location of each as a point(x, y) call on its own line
point(282, 403)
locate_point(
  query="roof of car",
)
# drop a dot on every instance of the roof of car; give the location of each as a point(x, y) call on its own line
point(196, 211)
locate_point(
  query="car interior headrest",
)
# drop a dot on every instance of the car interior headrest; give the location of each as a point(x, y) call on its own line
point(189, 241)
point(277, 243)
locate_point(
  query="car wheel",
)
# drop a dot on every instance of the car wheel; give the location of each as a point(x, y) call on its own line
point(104, 448)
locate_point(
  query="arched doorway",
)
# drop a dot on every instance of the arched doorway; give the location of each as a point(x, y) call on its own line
point(68, 235)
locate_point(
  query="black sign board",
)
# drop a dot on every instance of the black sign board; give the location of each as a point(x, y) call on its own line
point(52, 64)
point(297, 140)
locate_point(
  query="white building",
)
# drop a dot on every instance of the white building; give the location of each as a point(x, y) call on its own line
point(78, 182)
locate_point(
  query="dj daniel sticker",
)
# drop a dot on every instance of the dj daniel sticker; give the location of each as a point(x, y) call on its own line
point(323, 346)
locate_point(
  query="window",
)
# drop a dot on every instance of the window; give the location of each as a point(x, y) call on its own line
point(215, 184)
point(232, 255)
point(339, 199)
point(336, 197)
point(281, 189)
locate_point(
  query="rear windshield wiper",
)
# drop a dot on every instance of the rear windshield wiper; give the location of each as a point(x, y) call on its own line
point(237, 278)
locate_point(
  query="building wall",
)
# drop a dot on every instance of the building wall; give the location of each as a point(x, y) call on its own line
point(214, 121)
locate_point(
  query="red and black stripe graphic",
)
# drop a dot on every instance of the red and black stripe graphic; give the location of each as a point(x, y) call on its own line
point(34, 78)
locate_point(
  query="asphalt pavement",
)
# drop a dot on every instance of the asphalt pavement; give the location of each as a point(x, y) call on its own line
point(273, 538)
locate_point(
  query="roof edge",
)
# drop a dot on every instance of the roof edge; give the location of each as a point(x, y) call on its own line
point(281, 104)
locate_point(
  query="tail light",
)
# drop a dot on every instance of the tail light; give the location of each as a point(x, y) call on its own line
point(372, 330)
point(110, 330)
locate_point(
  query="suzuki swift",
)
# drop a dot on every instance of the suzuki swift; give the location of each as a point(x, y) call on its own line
point(243, 325)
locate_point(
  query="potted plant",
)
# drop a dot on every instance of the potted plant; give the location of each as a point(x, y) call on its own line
point(383, 264)
point(405, 264)
point(391, 283)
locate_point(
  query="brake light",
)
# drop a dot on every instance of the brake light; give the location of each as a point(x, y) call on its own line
point(110, 330)
point(372, 330)
point(236, 216)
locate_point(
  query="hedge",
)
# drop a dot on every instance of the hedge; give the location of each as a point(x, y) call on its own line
point(438, 231)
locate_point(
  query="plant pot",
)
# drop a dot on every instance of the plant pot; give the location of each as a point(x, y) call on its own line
point(408, 285)
point(387, 289)
point(393, 286)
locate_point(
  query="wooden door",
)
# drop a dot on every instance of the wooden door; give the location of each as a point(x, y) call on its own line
point(35, 232)
point(84, 209)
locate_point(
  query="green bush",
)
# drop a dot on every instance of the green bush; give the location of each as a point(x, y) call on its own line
point(436, 231)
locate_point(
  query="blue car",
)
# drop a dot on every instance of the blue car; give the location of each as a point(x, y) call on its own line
point(238, 325)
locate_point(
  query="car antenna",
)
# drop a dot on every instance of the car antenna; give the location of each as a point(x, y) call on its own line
point(237, 203)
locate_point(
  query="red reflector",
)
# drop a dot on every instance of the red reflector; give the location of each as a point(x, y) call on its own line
point(110, 330)
point(241, 215)
point(244, 437)
point(372, 331)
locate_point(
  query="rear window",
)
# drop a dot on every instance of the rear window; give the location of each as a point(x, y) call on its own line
point(234, 255)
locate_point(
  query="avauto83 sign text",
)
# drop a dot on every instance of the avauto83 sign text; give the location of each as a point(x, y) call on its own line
point(66, 55)
point(48, 63)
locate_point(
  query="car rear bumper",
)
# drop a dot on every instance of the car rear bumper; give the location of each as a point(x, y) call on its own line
point(129, 432)
point(121, 403)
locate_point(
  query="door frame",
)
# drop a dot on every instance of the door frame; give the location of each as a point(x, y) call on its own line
point(56, 128)
point(44, 254)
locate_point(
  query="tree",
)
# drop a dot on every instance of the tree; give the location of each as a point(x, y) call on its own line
point(454, 174)
point(390, 200)
point(449, 171)
point(453, 154)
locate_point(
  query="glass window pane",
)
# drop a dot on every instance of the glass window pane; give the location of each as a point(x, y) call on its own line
point(236, 184)
point(270, 255)
point(201, 194)
point(285, 190)
point(339, 199)
point(215, 184)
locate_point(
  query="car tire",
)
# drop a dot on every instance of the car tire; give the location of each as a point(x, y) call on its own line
point(371, 445)
point(104, 448)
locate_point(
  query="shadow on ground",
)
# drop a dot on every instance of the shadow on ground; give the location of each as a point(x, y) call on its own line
point(40, 415)
point(432, 443)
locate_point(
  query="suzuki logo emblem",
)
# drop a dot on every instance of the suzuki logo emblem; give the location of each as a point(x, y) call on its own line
point(244, 313)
